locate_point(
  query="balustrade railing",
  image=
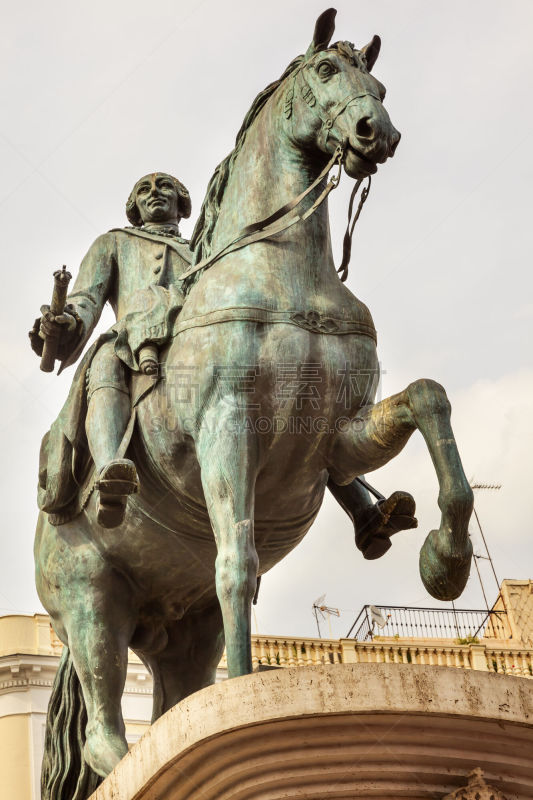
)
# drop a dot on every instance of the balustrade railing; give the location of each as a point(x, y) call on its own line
point(510, 661)
point(279, 652)
point(438, 656)
point(282, 652)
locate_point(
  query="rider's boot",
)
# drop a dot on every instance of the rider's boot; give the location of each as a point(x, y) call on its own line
point(116, 481)
point(375, 523)
point(107, 419)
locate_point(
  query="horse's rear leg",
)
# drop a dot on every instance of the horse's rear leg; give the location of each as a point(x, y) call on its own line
point(99, 623)
point(228, 458)
point(379, 433)
point(190, 659)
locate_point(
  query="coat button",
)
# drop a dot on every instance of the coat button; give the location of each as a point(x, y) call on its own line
point(157, 269)
point(159, 255)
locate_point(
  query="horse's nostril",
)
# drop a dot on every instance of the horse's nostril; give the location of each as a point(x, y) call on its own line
point(364, 129)
point(395, 142)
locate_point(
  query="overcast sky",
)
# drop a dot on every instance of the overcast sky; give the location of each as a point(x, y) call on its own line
point(97, 94)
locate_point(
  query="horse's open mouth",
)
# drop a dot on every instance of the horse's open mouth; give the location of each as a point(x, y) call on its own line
point(356, 164)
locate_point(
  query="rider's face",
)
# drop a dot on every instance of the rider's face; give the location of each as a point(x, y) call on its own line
point(157, 198)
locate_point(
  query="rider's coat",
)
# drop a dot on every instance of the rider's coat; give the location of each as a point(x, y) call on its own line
point(136, 272)
point(128, 268)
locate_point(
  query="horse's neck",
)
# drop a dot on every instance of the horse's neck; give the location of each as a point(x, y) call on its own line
point(268, 173)
point(288, 271)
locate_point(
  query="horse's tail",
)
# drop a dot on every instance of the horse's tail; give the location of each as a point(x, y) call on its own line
point(65, 774)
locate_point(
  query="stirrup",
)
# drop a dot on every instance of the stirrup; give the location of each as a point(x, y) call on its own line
point(116, 481)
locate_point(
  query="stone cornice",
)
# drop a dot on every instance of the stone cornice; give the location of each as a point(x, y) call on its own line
point(25, 670)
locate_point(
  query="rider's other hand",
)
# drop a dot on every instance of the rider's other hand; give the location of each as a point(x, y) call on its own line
point(55, 325)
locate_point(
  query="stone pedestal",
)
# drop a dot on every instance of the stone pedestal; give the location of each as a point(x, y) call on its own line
point(341, 731)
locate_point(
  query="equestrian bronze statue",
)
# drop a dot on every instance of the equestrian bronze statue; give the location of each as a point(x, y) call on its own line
point(202, 429)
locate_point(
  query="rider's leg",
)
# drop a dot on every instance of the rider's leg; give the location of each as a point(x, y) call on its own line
point(107, 419)
point(228, 457)
point(374, 522)
point(108, 405)
point(379, 433)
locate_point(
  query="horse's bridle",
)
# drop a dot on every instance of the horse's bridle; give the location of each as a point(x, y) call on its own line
point(281, 220)
point(328, 118)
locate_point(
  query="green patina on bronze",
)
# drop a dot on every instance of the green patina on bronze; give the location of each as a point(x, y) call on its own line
point(156, 524)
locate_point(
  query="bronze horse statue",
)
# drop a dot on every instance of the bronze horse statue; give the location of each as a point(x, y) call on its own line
point(229, 486)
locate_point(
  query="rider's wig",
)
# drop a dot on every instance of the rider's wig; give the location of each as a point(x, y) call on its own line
point(184, 202)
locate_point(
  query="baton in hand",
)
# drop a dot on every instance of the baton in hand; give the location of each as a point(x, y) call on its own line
point(57, 306)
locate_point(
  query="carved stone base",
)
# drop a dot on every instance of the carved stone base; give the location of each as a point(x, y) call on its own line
point(477, 789)
point(341, 731)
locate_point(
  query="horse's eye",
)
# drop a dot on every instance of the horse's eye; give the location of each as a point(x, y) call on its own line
point(325, 70)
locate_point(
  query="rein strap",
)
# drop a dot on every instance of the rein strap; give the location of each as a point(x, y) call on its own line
point(347, 242)
point(276, 222)
point(280, 221)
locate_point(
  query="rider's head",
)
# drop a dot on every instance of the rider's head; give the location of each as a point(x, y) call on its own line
point(158, 197)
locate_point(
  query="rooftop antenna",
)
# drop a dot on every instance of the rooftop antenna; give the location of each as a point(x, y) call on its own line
point(491, 487)
point(320, 607)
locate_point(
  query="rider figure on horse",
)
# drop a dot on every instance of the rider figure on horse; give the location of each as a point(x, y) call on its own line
point(136, 270)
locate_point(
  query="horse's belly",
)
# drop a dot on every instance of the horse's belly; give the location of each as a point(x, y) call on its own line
point(168, 552)
point(276, 535)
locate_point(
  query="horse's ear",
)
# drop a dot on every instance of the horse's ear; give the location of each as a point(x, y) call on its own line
point(371, 52)
point(324, 29)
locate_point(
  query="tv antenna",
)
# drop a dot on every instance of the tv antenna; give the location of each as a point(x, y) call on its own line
point(491, 487)
point(320, 608)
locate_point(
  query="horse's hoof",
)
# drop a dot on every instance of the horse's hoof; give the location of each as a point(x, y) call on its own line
point(102, 753)
point(444, 570)
point(116, 481)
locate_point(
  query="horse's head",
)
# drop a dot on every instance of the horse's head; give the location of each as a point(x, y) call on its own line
point(332, 99)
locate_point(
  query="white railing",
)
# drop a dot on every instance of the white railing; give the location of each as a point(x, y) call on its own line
point(510, 661)
point(442, 655)
point(272, 651)
point(277, 651)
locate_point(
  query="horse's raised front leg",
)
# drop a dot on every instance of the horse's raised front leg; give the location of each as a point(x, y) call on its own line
point(379, 433)
point(227, 453)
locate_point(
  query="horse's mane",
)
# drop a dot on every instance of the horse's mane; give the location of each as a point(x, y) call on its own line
point(203, 230)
